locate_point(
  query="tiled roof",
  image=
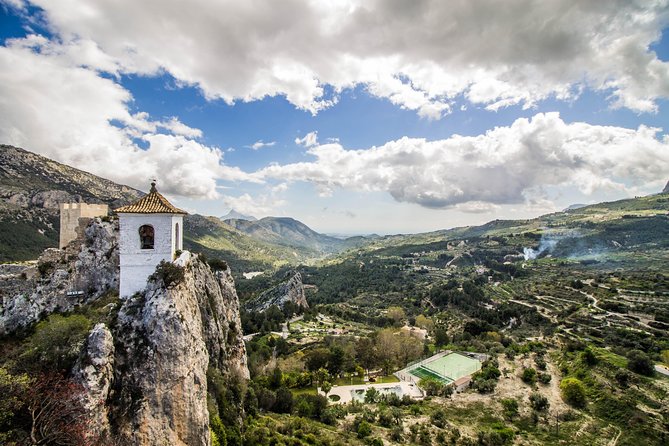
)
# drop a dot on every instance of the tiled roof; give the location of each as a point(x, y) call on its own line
point(152, 203)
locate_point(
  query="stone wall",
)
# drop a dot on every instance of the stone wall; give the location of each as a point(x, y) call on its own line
point(70, 213)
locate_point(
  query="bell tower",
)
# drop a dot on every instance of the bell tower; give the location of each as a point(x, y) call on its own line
point(151, 230)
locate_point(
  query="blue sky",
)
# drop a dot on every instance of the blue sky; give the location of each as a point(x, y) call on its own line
point(354, 117)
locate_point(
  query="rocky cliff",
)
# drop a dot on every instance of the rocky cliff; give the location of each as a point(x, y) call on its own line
point(61, 279)
point(291, 290)
point(666, 189)
point(147, 374)
point(166, 342)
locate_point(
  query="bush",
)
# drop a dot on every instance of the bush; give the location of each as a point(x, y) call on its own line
point(56, 343)
point(218, 265)
point(545, 378)
point(640, 363)
point(510, 406)
point(169, 273)
point(529, 376)
point(573, 392)
point(364, 429)
point(539, 402)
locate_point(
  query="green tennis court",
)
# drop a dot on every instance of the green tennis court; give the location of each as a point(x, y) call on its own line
point(447, 368)
point(422, 373)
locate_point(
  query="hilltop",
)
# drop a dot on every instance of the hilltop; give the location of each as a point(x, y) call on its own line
point(31, 187)
point(287, 231)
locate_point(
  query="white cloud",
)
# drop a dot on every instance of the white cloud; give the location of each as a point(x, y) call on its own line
point(179, 128)
point(260, 144)
point(52, 105)
point(419, 55)
point(505, 165)
point(258, 205)
point(308, 140)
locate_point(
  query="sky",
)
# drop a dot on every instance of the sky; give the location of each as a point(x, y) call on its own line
point(352, 116)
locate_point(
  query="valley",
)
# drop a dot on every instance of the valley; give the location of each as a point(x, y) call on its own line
point(568, 314)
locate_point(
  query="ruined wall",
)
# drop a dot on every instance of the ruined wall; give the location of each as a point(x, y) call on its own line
point(70, 213)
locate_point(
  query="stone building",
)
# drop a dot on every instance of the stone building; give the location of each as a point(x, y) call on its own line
point(70, 213)
point(151, 230)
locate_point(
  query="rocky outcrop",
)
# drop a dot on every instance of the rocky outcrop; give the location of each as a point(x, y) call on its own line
point(666, 189)
point(290, 291)
point(62, 279)
point(94, 372)
point(166, 341)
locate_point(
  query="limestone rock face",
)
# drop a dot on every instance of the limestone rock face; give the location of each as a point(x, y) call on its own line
point(94, 372)
point(166, 340)
point(62, 279)
point(290, 291)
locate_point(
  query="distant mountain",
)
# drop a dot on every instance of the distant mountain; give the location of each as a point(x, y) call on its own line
point(31, 188)
point(290, 232)
point(666, 189)
point(237, 216)
point(635, 223)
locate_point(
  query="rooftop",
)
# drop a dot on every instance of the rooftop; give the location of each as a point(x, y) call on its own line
point(152, 203)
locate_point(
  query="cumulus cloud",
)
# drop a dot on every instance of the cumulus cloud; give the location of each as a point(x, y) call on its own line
point(420, 55)
point(259, 205)
point(260, 144)
point(54, 104)
point(308, 140)
point(505, 165)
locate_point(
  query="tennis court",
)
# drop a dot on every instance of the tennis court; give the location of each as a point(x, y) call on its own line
point(446, 368)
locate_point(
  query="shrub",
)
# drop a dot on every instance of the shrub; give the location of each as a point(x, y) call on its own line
point(56, 343)
point(544, 378)
point(573, 392)
point(529, 376)
point(640, 363)
point(510, 406)
point(364, 429)
point(218, 265)
point(169, 273)
point(539, 402)
point(589, 356)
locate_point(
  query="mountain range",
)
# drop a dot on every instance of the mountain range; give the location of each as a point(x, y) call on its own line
point(32, 186)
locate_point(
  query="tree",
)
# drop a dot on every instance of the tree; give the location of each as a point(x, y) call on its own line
point(55, 411)
point(573, 392)
point(441, 337)
point(665, 357)
point(424, 322)
point(640, 363)
point(326, 387)
point(397, 314)
point(12, 389)
point(371, 395)
point(364, 429)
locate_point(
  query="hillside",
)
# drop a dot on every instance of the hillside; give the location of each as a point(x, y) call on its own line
point(31, 187)
point(217, 239)
point(295, 234)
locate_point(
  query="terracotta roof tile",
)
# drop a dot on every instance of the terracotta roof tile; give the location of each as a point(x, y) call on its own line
point(152, 203)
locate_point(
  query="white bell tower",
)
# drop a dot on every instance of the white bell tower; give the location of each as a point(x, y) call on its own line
point(151, 230)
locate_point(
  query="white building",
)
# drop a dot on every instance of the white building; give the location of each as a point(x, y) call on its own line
point(151, 230)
